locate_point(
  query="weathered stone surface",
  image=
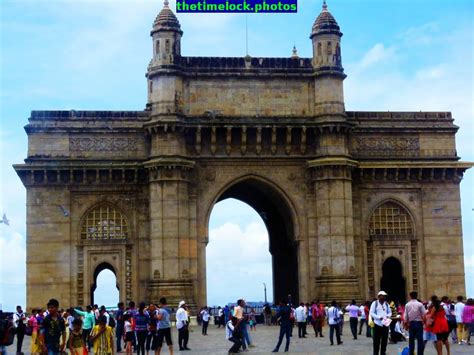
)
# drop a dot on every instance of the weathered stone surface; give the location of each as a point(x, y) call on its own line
point(272, 132)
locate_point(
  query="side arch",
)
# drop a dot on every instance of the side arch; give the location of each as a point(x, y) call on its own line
point(391, 234)
point(98, 269)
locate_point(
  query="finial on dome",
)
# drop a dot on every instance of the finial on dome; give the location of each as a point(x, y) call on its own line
point(294, 53)
point(325, 6)
point(166, 3)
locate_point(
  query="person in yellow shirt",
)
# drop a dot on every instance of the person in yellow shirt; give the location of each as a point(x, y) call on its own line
point(102, 337)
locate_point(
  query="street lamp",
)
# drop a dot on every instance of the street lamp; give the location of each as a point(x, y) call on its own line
point(265, 291)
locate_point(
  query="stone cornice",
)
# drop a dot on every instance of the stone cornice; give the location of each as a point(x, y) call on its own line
point(169, 162)
point(411, 171)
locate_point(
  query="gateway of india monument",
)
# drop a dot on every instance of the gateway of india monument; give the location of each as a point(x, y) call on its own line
point(353, 201)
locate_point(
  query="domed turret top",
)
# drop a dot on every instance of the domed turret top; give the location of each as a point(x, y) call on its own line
point(166, 20)
point(325, 23)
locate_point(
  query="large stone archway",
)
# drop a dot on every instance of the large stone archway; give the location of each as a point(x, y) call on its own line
point(277, 214)
point(273, 132)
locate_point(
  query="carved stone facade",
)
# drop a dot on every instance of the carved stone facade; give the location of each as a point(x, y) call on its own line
point(347, 197)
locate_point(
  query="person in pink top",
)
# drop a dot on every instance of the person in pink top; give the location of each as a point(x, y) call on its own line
point(468, 318)
point(35, 348)
point(354, 313)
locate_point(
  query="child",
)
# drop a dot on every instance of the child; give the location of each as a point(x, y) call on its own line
point(128, 333)
point(252, 320)
point(76, 342)
point(102, 337)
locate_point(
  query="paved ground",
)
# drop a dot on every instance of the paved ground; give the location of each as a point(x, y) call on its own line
point(265, 339)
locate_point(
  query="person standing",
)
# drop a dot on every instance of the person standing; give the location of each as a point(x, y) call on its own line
point(354, 313)
point(152, 328)
point(301, 320)
point(76, 343)
point(141, 328)
point(461, 328)
point(182, 324)
point(242, 318)
point(119, 329)
point(88, 324)
point(205, 320)
point(19, 319)
point(220, 317)
point(318, 314)
point(283, 316)
point(102, 337)
point(414, 315)
point(333, 316)
point(35, 348)
point(363, 318)
point(439, 325)
point(468, 319)
point(164, 327)
point(380, 312)
point(53, 330)
point(267, 314)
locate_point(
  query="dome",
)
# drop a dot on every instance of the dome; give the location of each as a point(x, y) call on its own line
point(325, 23)
point(166, 21)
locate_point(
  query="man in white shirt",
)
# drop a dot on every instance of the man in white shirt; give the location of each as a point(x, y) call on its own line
point(300, 316)
point(461, 327)
point(205, 316)
point(19, 319)
point(380, 312)
point(334, 315)
point(182, 323)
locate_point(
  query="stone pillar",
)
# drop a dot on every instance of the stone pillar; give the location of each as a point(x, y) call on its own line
point(172, 248)
point(173, 245)
point(336, 276)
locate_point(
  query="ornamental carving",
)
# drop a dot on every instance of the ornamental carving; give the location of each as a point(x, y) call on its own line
point(387, 146)
point(103, 144)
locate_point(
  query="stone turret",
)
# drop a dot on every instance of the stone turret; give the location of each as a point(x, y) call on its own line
point(327, 63)
point(164, 82)
point(166, 34)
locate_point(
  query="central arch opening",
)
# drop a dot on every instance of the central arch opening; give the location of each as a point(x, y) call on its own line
point(275, 214)
point(392, 280)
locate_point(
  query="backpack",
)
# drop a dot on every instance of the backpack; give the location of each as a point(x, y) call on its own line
point(112, 322)
point(7, 332)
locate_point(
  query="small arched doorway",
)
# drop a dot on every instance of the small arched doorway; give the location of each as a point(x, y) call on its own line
point(105, 289)
point(392, 280)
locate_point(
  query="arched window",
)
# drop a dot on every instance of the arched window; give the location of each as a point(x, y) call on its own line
point(329, 48)
point(390, 219)
point(320, 49)
point(104, 222)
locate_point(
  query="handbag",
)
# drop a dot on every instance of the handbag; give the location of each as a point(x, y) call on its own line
point(371, 322)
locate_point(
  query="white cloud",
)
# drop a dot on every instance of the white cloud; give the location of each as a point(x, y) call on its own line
point(424, 34)
point(238, 259)
point(13, 257)
point(378, 53)
point(435, 72)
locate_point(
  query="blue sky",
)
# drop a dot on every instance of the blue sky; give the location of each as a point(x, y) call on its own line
point(58, 54)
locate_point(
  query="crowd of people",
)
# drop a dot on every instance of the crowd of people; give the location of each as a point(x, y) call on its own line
point(145, 328)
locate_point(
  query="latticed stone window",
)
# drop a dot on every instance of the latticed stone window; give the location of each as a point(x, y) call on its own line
point(390, 219)
point(104, 222)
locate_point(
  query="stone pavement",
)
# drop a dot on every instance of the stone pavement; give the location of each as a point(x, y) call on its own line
point(265, 339)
